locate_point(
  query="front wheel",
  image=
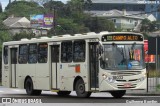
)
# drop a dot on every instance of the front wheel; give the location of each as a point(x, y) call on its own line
point(80, 89)
point(118, 94)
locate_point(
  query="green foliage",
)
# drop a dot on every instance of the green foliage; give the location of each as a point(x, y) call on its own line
point(67, 26)
point(21, 35)
point(96, 24)
point(145, 35)
point(24, 9)
point(148, 26)
point(158, 87)
point(153, 73)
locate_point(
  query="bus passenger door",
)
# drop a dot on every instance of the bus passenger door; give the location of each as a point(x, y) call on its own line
point(13, 66)
point(93, 65)
point(54, 68)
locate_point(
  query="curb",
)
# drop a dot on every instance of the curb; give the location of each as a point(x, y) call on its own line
point(144, 94)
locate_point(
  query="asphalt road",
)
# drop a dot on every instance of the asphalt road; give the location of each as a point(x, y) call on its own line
point(51, 97)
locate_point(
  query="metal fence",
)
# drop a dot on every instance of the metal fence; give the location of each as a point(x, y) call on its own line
point(153, 78)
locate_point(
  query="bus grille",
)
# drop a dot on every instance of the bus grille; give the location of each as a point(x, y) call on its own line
point(127, 73)
point(132, 80)
point(122, 86)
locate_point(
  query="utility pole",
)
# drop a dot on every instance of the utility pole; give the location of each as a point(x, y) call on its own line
point(9, 1)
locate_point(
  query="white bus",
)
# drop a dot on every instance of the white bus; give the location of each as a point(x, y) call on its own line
point(93, 62)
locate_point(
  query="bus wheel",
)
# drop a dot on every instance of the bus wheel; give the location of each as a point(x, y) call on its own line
point(118, 94)
point(63, 93)
point(80, 89)
point(29, 87)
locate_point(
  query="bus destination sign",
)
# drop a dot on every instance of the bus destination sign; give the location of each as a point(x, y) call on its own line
point(121, 37)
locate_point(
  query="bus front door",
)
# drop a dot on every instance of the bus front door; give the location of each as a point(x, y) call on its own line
point(13, 66)
point(54, 64)
point(93, 65)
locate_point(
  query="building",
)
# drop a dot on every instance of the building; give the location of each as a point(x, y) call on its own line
point(17, 24)
point(138, 6)
point(122, 19)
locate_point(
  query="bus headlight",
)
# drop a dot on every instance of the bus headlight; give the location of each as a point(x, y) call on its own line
point(141, 79)
point(111, 80)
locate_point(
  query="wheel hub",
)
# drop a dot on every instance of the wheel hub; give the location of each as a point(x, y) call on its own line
point(81, 88)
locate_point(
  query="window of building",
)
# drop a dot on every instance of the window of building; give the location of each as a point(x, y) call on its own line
point(32, 57)
point(114, 20)
point(5, 55)
point(42, 52)
point(66, 51)
point(23, 54)
point(79, 51)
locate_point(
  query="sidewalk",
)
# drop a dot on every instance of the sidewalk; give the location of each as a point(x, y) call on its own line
point(142, 93)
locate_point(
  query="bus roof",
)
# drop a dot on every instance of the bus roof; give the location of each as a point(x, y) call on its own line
point(90, 35)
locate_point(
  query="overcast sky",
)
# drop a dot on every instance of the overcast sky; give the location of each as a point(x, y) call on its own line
point(5, 2)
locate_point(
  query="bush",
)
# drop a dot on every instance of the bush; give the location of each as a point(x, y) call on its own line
point(153, 73)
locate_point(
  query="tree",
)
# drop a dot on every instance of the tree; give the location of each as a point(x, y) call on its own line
point(21, 35)
point(148, 26)
point(24, 9)
point(96, 24)
point(4, 37)
point(67, 26)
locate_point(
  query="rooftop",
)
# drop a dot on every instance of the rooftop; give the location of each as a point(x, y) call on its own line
point(118, 1)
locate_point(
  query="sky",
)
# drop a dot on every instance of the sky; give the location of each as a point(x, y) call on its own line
point(5, 2)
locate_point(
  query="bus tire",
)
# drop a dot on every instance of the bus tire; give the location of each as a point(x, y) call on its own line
point(118, 94)
point(63, 93)
point(29, 87)
point(80, 89)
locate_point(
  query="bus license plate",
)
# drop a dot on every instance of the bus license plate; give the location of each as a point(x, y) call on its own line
point(127, 85)
point(117, 77)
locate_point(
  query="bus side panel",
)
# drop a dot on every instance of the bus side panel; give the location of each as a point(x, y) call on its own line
point(42, 76)
point(6, 75)
point(23, 71)
point(69, 72)
point(67, 76)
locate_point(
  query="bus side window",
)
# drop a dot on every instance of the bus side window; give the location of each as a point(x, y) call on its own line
point(23, 54)
point(42, 52)
point(5, 55)
point(79, 51)
point(32, 57)
point(66, 52)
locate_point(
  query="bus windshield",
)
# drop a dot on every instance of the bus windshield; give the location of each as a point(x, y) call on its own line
point(123, 57)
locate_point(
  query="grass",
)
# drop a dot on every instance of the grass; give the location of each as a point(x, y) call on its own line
point(158, 87)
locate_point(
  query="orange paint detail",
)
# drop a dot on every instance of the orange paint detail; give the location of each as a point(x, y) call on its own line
point(77, 68)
